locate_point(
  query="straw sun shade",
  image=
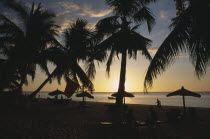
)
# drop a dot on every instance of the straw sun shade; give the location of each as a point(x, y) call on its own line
point(56, 92)
point(124, 94)
point(85, 94)
point(183, 92)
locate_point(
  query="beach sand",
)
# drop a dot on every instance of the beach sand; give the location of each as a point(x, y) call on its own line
point(43, 120)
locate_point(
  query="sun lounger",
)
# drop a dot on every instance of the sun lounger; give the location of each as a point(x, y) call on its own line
point(139, 123)
point(106, 123)
point(145, 123)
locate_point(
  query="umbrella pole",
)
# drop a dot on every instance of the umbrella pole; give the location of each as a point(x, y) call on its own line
point(184, 104)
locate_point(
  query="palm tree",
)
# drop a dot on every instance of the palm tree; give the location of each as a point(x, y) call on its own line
point(122, 37)
point(78, 47)
point(180, 6)
point(14, 79)
point(24, 42)
point(190, 32)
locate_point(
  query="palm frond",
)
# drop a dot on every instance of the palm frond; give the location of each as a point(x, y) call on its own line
point(124, 7)
point(32, 71)
point(145, 2)
point(90, 69)
point(199, 56)
point(170, 48)
point(18, 8)
point(143, 15)
point(5, 41)
point(82, 76)
point(9, 27)
point(109, 62)
point(108, 25)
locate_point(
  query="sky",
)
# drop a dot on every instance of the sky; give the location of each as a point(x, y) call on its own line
point(180, 73)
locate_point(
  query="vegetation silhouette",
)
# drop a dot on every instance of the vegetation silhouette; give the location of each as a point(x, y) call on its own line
point(122, 37)
point(190, 32)
point(24, 44)
point(78, 46)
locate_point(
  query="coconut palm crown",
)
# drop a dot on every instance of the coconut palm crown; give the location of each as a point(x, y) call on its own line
point(122, 36)
point(189, 32)
point(78, 46)
point(23, 42)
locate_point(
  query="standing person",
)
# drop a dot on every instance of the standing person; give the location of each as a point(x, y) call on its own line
point(158, 104)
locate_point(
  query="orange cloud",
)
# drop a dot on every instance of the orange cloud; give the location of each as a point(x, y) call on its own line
point(83, 10)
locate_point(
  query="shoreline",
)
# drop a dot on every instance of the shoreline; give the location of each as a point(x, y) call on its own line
point(89, 101)
point(150, 99)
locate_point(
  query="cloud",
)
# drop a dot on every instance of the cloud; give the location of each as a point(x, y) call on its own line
point(67, 7)
point(65, 23)
point(88, 10)
point(153, 51)
point(82, 10)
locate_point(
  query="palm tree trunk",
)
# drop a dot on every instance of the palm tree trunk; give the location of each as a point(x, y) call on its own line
point(184, 104)
point(121, 89)
point(43, 84)
point(83, 100)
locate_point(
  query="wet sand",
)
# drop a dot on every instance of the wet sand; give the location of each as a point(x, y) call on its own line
point(43, 120)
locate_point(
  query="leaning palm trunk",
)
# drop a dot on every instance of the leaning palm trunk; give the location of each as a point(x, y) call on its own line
point(75, 67)
point(83, 100)
point(43, 84)
point(19, 89)
point(121, 89)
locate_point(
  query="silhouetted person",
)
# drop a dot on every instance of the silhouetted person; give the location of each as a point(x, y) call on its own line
point(61, 97)
point(158, 103)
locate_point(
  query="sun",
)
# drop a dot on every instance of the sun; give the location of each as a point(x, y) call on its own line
point(115, 86)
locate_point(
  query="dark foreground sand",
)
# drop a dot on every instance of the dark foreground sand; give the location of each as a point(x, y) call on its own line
point(42, 120)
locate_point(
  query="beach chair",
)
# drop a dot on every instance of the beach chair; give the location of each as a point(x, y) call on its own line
point(141, 123)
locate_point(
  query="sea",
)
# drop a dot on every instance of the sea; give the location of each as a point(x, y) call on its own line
point(141, 98)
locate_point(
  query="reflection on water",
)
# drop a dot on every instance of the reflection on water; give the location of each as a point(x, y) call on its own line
point(148, 99)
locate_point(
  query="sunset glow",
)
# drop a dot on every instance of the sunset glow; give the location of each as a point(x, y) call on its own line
point(116, 84)
point(181, 73)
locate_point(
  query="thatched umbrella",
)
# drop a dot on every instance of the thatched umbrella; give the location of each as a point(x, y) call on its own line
point(183, 92)
point(56, 92)
point(83, 95)
point(124, 94)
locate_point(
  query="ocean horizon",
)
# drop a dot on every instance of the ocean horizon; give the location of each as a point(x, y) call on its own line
point(141, 98)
